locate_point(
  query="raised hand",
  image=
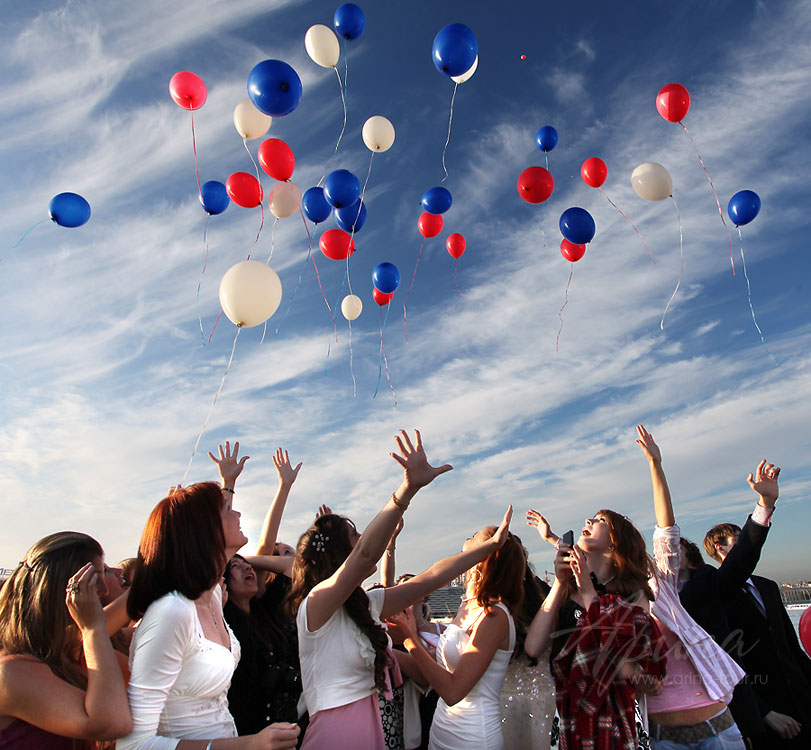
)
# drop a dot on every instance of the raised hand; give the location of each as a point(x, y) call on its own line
point(503, 531)
point(649, 447)
point(582, 575)
point(287, 474)
point(764, 481)
point(417, 472)
point(537, 521)
point(229, 465)
point(82, 598)
point(323, 510)
point(563, 568)
point(402, 625)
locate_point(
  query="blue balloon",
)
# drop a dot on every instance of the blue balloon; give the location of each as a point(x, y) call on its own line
point(214, 197)
point(69, 210)
point(274, 88)
point(352, 218)
point(341, 188)
point(743, 207)
point(455, 49)
point(436, 200)
point(577, 226)
point(349, 21)
point(547, 138)
point(315, 205)
point(386, 277)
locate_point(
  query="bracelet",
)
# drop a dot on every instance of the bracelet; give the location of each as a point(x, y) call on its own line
point(226, 489)
point(211, 742)
point(390, 552)
point(397, 504)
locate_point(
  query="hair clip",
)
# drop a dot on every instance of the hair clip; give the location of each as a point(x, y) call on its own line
point(319, 541)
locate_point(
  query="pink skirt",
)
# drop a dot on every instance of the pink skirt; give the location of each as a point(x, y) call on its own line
point(351, 727)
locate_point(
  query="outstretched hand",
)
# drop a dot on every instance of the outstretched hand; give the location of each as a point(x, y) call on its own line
point(323, 510)
point(503, 531)
point(649, 447)
point(229, 465)
point(287, 474)
point(764, 481)
point(417, 472)
point(537, 521)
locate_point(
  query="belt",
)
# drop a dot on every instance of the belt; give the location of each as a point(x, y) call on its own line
point(685, 735)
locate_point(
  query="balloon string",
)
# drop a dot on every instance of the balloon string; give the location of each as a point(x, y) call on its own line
point(385, 358)
point(317, 275)
point(411, 286)
point(543, 221)
point(196, 167)
point(200, 281)
point(262, 220)
point(630, 222)
point(17, 244)
point(749, 294)
point(272, 238)
point(546, 159)
point(253, 161)
point(219, 313)
point(343, 101)
point(352, 234)
point(380, 357)
point(681, 269)
point(351, 363)
point(211, 408)
point(292, 296)
point(335, 306)
point(448, 139)
point(712, 187)
point(455, 261)
point(560, 312)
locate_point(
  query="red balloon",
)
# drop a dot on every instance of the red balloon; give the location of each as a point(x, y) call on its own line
point(430, 224)
point(382, 298)
point(805, 630)
point(336, 244)
point(188, 90)
point(594, 171)
point(455, 244)
point(572, 252)
point(535, 184)
point(277, 159)
point(244, 189)
point(672, 102)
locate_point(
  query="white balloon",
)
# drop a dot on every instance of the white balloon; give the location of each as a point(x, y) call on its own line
point(652, 182)
point(378, 133)
point(250, 292)
point(249, 121)
point(284, 199)
point(468, 74)
point(351, 306)
point(322, 45)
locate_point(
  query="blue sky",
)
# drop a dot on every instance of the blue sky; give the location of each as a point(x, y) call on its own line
point(105, 381)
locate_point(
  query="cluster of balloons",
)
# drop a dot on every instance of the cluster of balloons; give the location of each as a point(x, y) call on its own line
point(536, 184)
point(455, 51)
point(385, 280)
point(321, 42)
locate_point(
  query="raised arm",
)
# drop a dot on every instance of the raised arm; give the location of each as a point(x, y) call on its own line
point(330, 594)
point(662, 504)
point(538, 522)
point(270, 528)
point(545, 621)
point(387, 566)
point(229, 465)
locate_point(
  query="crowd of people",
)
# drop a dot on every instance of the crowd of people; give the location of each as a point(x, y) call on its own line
point(191, 645)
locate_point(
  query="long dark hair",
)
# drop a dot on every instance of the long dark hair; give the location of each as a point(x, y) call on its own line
point(631, 563)
point(535, 592)
point(321, 550)
point(499, 577)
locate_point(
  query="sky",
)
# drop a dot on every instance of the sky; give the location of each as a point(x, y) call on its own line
point(106, 381)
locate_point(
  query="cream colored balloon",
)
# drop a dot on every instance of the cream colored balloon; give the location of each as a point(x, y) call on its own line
point(652, 182)
point(249, 121)
point(250, 292)
point(284, 199)
point(468, 74)
point(322, 45)
point(378, 133)
point(351, 306)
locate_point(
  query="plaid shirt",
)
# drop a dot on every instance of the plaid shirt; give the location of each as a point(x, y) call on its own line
point(596, 706)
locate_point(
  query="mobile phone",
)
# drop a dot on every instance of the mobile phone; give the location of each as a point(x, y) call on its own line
point(568, 538)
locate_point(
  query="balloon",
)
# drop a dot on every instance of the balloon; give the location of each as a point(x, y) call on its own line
point(571, 251)
point(672, 102)
point(805, 630)
point(349, 21)
point(430, 225)
point(336, 244)
point(546, 138)
point(274, 87)
point(651, 181)
point(214, 197)
point(341, 188)
point(468, 74)
point(455, 244)
point(69, 210)
point(386, 277)
point(249, 121)
point(250, 292)
point(322, 45)
point(577, 226)
point(380, 297)
point(743, 207)
point(351, 306)
point(594, 171)
point(378, 133)
point(315, 205)
point(284, 199)
point(352, 218)
point(277, 159)
point(437, 200)
point(244, 189)
point(455, 48)
point(188, 90)
point(535, 184)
